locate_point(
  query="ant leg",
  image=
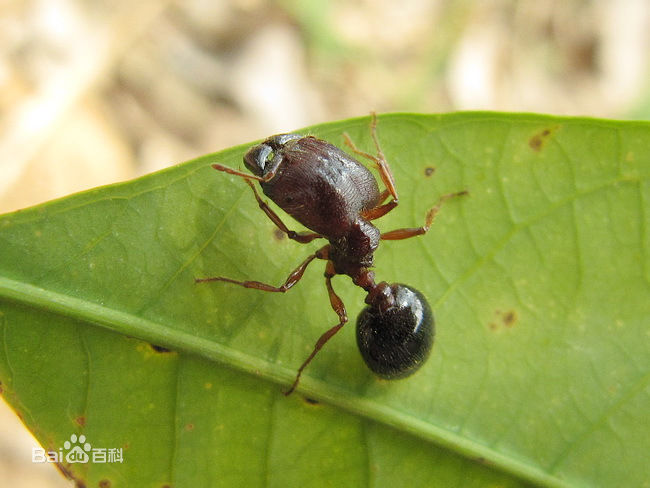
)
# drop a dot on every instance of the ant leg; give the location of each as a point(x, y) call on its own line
point(380, 160)
point(339, 308)
point(302, 237)
point(380, 210)
point(398, 234)
point(293, 278)
point(383, 197)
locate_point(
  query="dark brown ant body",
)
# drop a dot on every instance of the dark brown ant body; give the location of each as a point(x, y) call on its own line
point(336, 197)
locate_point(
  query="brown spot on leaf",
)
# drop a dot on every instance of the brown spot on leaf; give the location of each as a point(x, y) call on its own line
point(160, 349)
point(509, 318)
point(278, 234)
point(503, 319)
point(539, 140)
point(81, 420)
point(105, 484)
point(311, 401)
point(189, 427)
point(429, 170)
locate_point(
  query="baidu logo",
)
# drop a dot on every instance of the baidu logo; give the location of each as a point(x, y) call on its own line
point(77, 450)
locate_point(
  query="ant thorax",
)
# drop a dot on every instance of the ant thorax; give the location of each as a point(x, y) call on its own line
point(354, 251)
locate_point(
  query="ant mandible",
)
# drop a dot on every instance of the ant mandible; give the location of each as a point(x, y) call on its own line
point(336, 197)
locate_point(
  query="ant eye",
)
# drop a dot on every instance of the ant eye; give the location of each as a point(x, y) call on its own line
point(257, 158)
point(395, 342)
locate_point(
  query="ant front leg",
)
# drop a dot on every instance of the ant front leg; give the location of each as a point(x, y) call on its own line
point(397, 234)
point(380, 210)
point(302, 237)
point(339, 308)
point(379, 161)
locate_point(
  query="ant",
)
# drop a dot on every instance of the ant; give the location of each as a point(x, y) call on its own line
point(336, 197)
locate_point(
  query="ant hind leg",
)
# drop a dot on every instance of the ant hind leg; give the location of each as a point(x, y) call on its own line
point(339, 308)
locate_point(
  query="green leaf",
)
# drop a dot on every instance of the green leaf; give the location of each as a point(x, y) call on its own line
point(539, 279)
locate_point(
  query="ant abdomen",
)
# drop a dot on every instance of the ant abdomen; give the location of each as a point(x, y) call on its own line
point(395, 339)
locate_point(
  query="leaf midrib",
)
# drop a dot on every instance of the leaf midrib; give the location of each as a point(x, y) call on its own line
point(159, 334)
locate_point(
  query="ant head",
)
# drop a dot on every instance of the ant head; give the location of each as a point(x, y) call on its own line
point(262, 158)
point(395, 331)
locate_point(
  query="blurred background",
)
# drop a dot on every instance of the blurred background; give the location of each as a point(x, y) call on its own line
point(96, 91)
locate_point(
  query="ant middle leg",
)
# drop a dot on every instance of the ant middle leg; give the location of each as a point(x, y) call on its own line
point(291, 280)
point(379, 160)
point(405, 233)
point(339, 308)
